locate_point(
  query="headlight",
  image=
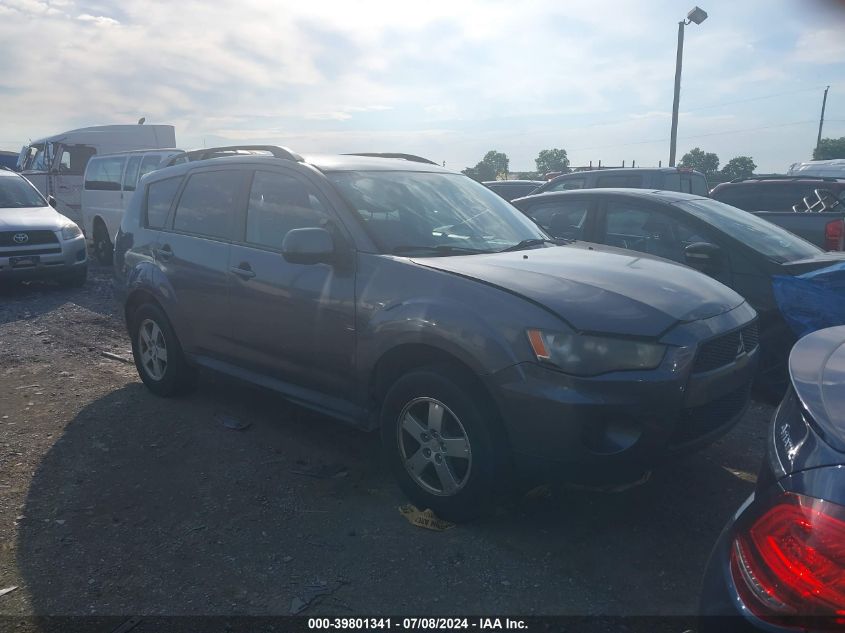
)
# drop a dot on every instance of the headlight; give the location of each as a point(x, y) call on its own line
point(70, 231)
point(591, 355)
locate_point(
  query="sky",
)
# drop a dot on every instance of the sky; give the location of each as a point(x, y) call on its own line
point(448, 80)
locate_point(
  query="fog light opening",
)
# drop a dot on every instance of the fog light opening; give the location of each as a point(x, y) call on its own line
point(611, 437)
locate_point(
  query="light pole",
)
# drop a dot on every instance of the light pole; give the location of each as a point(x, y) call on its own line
point(696, 15)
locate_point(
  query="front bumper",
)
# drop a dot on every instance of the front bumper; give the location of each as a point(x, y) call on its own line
point(617, 424)
point(54, 259)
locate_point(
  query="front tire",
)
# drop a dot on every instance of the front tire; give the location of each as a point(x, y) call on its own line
point(440, 438)
point(103, 248)
point(158, 355)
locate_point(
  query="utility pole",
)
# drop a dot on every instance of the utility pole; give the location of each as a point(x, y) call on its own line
point(678, 60)
point(821, 119)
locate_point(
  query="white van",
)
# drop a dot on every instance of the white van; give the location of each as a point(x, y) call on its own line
point(108, 185)
point(819, 168)
point(55, 164)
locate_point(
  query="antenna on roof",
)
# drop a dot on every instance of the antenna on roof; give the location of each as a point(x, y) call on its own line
point(141, 120)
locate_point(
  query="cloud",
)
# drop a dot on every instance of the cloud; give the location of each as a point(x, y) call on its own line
point(99, 20)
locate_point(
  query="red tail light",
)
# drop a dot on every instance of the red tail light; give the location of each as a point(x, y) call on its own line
point(790, 563)
point(834, 235)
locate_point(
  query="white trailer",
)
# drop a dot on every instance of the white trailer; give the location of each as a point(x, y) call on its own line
point(56, 164)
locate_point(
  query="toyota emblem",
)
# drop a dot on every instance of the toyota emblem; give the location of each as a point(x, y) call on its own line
point(21, 238)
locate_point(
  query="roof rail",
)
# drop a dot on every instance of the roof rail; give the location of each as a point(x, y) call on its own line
point(410, 157)
point(234, 150)
point(785, 177)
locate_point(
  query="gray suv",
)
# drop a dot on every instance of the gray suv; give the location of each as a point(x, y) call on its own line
point(396, 295)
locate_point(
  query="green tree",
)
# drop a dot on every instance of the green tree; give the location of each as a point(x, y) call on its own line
point(552, 160)
point(739, 167)
point(494, 165)
point(705, 162)
point(830, 148)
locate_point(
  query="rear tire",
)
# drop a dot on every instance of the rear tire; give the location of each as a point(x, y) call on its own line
point(443, 442)
point(103, 248)
point(158, 355)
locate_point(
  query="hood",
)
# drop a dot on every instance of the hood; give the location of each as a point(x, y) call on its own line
point(597, 291)
point(817, 369)
point(31, 218)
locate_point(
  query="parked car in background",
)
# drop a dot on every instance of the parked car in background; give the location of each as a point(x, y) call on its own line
point(108, 184)
point(55, 164)
point(397, 295)
point(510, 189)
point(36, 241)
point(819, 168)
point(779, 564)
point(666, 178)
point(811, 207)
point(8, 159)
point(736, 248)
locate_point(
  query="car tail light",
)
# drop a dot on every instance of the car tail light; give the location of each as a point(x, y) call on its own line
point(834, 235)
point(789, 564)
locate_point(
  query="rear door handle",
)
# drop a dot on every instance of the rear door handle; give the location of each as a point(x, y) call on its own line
point(164, 253)
point(243, 270)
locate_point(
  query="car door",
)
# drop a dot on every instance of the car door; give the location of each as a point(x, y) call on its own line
point(568, 217)
point(193, 255)
point(659, 230)
point(293, 321)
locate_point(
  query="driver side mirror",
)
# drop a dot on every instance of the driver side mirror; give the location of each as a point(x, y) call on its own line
point(52, 202)
point(308, 246)
point(704, 256)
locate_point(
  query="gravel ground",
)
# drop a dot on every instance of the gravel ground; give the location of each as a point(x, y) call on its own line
point(115, 502)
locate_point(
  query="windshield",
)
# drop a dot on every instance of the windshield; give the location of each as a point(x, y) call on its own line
point(17, 193)
point(417, 213)
point(764, 237)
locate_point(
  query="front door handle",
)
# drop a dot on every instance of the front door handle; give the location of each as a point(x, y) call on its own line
point(243, 270)
point(164, 253)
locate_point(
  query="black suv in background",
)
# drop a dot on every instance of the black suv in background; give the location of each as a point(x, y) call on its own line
point(510, 189)
point(396, 295)
point(665, 178)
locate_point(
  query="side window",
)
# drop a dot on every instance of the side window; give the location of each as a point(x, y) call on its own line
point(671, 182)
point(150, 163)
point(104, 173)
point(699, 185)
point(566, 185)
point(160, 196)
point(631, 180)
point(648, 231)
point(130, 178)
point(207, 204)
point(686, 183)
point(74, 158)
point(561, 219)
point(279, 203)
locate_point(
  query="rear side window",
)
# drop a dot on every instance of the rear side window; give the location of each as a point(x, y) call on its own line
point(561, 218)
point(160, 196)
point(565, 185)
point(207, 204)
point(104, 173)
point(627, 180)
point(130, 178)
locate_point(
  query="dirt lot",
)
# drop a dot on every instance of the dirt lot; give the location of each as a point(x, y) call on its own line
point(115, 502)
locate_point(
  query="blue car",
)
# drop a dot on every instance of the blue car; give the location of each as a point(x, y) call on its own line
point(779, 565)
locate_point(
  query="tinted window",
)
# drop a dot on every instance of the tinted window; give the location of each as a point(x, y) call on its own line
point(17, 193)
point(772, 196)
point(278, 204)
point(74, 159)
point(764, 237)
point(672, 182)
point(130, 178)
point(561, 218)
point(649, 231)
point(104, 173)
point(160, 196)
point(699, 185)
point(565, 185)
point(627, 180)
point(207, 204)
point(435, 213)
point(150, 163)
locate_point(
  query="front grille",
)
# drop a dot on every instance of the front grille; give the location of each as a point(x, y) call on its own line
point(54, 250)
point(697, 422)
point(723, 350)
point(7, 238)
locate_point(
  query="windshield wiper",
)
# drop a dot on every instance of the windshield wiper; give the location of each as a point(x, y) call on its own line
point(442, 249)
point(537, 241)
